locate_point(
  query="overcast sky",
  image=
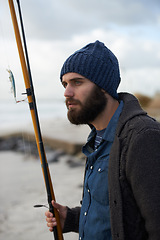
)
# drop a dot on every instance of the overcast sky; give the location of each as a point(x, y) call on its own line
point(55, 29)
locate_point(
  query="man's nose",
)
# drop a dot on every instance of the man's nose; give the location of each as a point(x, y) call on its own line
point(68, 91)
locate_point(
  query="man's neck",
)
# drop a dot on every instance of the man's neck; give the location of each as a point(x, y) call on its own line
point(104, 117)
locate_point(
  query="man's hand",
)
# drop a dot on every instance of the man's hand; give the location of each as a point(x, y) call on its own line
point(51, 221)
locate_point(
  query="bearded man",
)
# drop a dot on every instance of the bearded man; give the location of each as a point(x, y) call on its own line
point(121, 197)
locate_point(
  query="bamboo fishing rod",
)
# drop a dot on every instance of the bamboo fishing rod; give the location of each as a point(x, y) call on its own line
point(24, 60)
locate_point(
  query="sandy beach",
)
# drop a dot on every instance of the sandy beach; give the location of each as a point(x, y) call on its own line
point(22, 187)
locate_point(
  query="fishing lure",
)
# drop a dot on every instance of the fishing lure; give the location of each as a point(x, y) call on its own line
point(13, 86)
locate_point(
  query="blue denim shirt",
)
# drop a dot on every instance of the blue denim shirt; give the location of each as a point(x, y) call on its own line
point(95, 214)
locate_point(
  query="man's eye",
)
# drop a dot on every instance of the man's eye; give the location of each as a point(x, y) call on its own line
point(77, 82)
point(64, 85)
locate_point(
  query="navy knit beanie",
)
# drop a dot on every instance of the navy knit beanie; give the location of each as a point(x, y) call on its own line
point(98, 64)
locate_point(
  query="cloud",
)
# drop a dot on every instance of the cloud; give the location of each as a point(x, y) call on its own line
point(63, 19)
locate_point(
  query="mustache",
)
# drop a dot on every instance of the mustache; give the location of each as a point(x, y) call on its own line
point(69, 101)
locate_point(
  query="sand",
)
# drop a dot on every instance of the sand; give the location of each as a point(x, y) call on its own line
point(22, 187)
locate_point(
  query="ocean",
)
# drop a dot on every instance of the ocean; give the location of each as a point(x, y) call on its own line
point(16, 115)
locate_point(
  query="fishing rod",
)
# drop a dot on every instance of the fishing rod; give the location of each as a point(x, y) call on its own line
point(24, 59)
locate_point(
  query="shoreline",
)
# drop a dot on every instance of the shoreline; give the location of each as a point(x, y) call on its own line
point(56, 134)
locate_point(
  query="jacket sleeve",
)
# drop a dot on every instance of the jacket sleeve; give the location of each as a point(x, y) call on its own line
point(72, 220)
point(143, 172)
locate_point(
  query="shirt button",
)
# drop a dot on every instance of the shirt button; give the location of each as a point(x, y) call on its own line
point(91, 167)
point(88, 190)
point(85, 213)
point(99, 169)
point(80, 238)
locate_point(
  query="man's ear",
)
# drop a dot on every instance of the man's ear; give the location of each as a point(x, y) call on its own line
point(103, 90)
point(106, 94)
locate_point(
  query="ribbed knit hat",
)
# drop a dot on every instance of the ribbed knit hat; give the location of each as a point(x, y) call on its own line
point(98, 64)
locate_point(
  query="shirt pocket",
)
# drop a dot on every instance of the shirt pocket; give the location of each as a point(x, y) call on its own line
point(98, 183)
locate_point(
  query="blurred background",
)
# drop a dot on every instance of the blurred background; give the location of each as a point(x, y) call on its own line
point(54, 30)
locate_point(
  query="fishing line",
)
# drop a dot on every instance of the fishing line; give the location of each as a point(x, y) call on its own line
point(3, 34)
point(7, 61)
point(6, 68)
point(32, 104)
point(4, 53)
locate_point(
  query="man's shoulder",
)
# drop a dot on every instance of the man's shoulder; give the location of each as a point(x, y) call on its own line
point(143, 122)
point(140, 126)
point(133, 117)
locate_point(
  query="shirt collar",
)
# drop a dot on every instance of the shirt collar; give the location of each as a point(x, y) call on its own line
point(109, 133)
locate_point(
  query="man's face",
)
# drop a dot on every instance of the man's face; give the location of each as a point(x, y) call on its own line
point(84, 100)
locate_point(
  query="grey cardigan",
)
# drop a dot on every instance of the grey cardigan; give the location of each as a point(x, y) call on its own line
point(134, 177)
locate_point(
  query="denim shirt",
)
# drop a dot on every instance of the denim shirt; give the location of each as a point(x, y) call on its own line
point(95, 213)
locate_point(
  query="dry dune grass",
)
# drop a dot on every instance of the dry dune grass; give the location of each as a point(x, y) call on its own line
point(151, 105)
point(155, 103)
point(143, 99)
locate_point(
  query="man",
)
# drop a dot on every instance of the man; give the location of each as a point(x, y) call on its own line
point(121, 195)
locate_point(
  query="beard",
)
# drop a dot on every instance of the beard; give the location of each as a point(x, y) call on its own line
point(90, 109)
